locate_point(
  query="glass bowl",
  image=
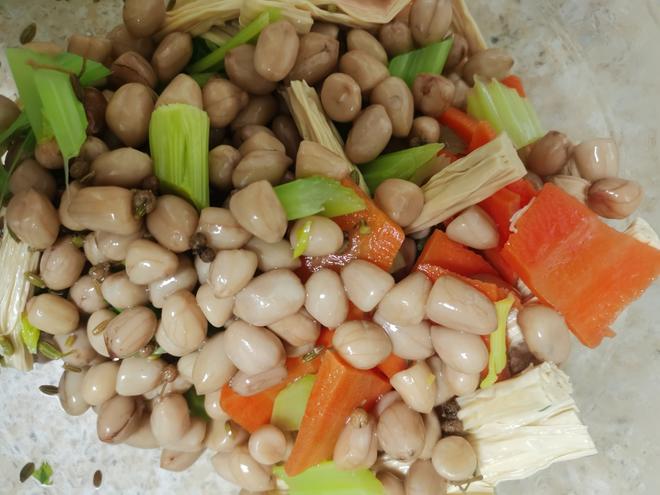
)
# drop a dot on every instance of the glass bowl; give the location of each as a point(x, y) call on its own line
point(589, 69)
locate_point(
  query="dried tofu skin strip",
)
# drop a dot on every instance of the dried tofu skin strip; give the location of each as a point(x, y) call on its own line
point(463, 23)
point(469, 181)
point(373, 11)
point(312, 123)
point(294, 11)
point(198, 16)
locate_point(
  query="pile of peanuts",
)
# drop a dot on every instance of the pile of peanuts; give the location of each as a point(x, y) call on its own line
point(147, 297)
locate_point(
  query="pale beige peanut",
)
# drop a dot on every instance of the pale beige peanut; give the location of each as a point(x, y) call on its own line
point(252, 349)
point(185, 278)
point(454, 459)
point(268, 445)
point(365, 283)
point(217, 310)
point(213, 368)
point(119, 418)
point(545, 332)
point(464, 352)
point(276, 51)
point(248, 385)
point(273, 255)
point(270, 297)
point(61, 264)
point(130, 331)
point(474, 228)
point(257, 210)
point(172, 223)
point(405, 303)
point(325, 298)
point(401, 432)
point(69, 392)
point(121, 293)
point(138, 375)
point(106, 209)
point(99, 383)
point(231, 271)
point(170, 419)
point(457, 305)
point(315, 159)
point(357, 445)
point(123, 167)
point(298, 329)
point(147, 262)
point(417, 387)
point(362, 344)
point(32, 218)
point(183, 325)
point(52, 314)
point(324, 236)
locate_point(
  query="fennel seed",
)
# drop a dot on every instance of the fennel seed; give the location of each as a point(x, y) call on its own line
point(49, 389)
point(228, 429)
point(100, 328)
point(35, 280)
point(6, 347)
point(98, 478)
point(169, 373)
point(26, 472)
point(313, 354)
point(49, 351)
point(28, 33)
point(71, 368)
point(144, 202)
point(70, 340)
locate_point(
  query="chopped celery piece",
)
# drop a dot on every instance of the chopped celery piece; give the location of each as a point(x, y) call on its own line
point(24, 64)
point(430, 59)
point(505, 110)
point(63, 111)
point(325, 479)
point(398, 165)
point(25, 149)
point(179, 142)
point(214, 61)
point(302, 239)
point(196, 404)
point(497, 356)
point(322, 195)
point(291, 402)
point(29, 334)
point(43, 474)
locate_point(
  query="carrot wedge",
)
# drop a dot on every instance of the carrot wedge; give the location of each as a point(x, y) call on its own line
point(440, 250)
point(254, 411)
point(338, 390)
point(392, 365)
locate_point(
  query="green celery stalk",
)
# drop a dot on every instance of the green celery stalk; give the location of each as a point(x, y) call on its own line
point(291, 402)
point(63, 111)
point(497, 355)
point(318, 195)
point(430, 59)
point(325, 479)
point(302, 239)
point(179, 142)
point(214, 61)
point(505, 110)
point(29, 334)
point(24, 64)
point(398, 165)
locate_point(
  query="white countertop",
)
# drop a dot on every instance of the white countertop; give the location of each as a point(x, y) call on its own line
point(590, 67)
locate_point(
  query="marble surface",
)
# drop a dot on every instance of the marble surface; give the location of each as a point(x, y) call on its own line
point(590, 69)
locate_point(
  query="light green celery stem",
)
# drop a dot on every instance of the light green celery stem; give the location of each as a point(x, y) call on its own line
point(291, 402)
point(29, 335)
point(302, 239)
point(505, 110)
point(27, 146)
point(430, 59)
point(179, 142)
point(317, 195)
point(398, 165)
point(326, 479)
point(23, 64)
point(506, 102)
point(497, 340)
point(63, 111)
point(214, 61)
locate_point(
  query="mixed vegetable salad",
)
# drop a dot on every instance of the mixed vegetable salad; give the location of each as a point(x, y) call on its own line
point(333, 245)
